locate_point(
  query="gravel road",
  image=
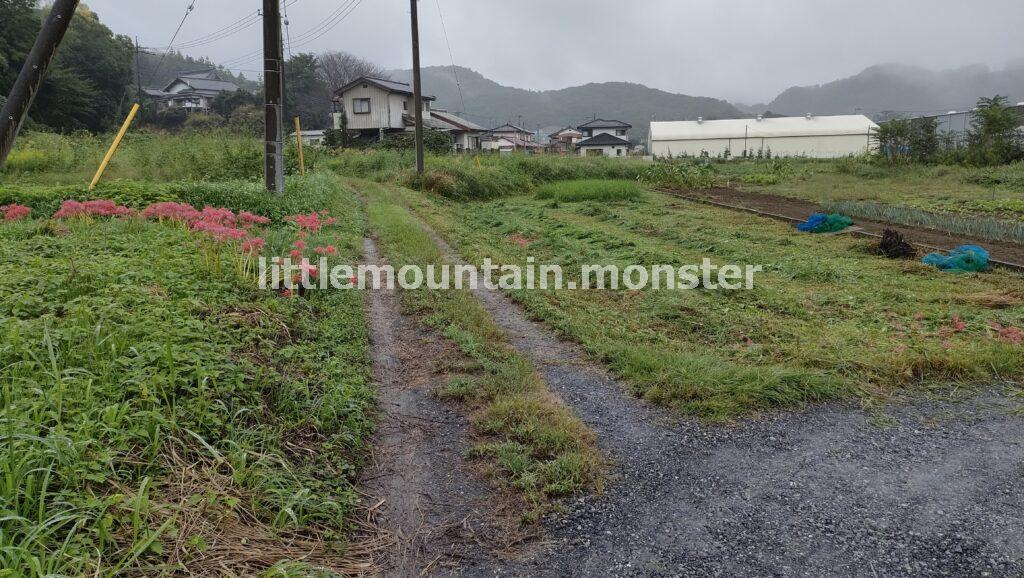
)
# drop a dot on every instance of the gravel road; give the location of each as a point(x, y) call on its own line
point(920, 487)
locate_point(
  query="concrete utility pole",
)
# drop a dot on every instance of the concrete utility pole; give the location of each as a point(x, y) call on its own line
point(24, 91)
point(273, 83)
point(417, 87)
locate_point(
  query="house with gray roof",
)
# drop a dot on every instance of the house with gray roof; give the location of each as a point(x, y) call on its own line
point(192, 91)
point(376, 106)
point(604, 138)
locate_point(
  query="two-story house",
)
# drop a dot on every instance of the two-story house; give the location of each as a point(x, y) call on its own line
point(193, 91)
point(510, 138)
point(375, 107)
point(565, 140)
point(605, 138)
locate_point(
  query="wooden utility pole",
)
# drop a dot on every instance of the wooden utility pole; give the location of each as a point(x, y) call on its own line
point(24, 91)
point(273, 83)
point(417, 88)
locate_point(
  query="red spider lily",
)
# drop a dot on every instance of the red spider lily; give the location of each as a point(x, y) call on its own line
point(15, 212)
point(958, 324)
point(98, 208)
point(308, 268)
point(248, 219)
point(311, 222)
point(219, 232)
point(296, 254)
point(287, 293)
point(254, 245)
point(220, 216)
point(300, 244)
point(1007, 334)
point(328, 250)
point(180, 212)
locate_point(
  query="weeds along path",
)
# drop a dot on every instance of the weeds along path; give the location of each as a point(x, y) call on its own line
point(427, 498)
point(828, 491)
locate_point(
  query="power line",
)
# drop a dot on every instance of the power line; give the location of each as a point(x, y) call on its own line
point(188, 11)
point(287, 30)
point(330, 22)
point(455, 72)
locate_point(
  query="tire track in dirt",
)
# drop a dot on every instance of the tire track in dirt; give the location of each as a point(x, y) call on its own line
point(436, 509)
point(822, 492)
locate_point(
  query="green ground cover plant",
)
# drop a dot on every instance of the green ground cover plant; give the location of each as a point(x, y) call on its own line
point(156, 413)
point(828, 319)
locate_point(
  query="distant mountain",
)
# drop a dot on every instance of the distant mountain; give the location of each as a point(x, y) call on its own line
point(900, 90)
point(491, 104)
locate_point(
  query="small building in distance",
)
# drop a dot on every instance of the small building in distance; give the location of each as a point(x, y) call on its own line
point(802, 136)
point(465, 134)
point(192, 91)
point(604, 144)
point(312, 138)
point(598, 126)
point(602, 137)
point(564, 141)
point(509, 138)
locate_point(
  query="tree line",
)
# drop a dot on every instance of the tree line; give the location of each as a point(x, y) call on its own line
point(93, 79)
point(994, 138)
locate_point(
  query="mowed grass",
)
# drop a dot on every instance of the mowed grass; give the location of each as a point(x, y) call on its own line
point(828, 319)
point(590, 190)
point(156, 416)
point(534, 443)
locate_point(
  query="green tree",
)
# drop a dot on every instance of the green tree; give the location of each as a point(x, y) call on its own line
point(995, 137)
point(924, 139)
point(893, 140)
point(20, 23)
point(247, 120)
point(85, 87)
point(226, 103)
point(306, 94)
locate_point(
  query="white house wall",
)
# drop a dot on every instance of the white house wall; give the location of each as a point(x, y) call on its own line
point(608, 151)
point(832, 146)
point(380, 114)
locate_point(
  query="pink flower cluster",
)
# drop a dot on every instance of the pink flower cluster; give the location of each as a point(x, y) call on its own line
point(248, 219)
point(312, 222)
point(1007, 334)
point(15, 212)
point(97, 208)
point(180, 212)
point(219, 232)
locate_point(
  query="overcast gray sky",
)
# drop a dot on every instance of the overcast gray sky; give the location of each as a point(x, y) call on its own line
point(742, 50)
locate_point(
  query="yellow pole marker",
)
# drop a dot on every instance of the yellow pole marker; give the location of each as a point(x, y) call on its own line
point(113, 147)
point(478, 160)
point(298, 137)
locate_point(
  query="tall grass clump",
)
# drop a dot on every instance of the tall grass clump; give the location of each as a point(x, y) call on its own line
point(973, 226)
point(591, 190)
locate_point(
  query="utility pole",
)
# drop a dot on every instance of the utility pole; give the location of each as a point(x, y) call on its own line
point(273, 83)
point(417, 88)
point(138, 69)
point(25, 88)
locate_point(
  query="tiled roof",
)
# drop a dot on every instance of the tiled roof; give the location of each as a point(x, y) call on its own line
point(603, 140)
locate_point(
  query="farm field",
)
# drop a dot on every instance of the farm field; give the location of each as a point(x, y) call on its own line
point(827, 319)
point(161, 409)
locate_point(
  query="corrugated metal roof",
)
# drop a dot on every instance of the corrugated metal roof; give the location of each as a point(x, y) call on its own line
point(388, 85)
point(456, 121)
point(852, 124)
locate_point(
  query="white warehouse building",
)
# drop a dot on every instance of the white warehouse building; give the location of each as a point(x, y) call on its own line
point(808, 136)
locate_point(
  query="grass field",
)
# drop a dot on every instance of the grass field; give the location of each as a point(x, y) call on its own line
point(159, 411)
point(828, 319)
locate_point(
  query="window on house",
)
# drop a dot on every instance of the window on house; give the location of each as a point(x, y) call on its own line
point(360, 106)
point(620, 132)
point(618, 152)
point(405, 105)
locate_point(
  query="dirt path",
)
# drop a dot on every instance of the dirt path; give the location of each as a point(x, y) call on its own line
point(800, 209)
point(938, 490)
point(435, 508)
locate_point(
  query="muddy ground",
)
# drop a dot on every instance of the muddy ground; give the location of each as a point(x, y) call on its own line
point(799, 209)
